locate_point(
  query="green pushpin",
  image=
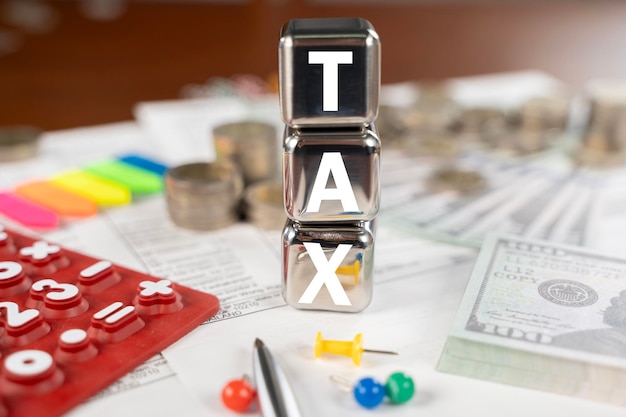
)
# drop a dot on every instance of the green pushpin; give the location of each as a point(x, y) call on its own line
point(399, 388)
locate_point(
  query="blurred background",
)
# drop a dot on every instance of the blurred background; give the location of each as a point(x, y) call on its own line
point(73, 63)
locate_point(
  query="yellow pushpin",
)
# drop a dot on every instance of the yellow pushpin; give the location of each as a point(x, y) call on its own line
point(350, 270)
point(353, 349)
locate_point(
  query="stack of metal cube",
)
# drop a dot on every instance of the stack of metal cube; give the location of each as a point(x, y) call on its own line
point(329, 88)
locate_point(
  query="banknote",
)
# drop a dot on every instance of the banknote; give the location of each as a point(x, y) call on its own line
point(541, 198)
point(543, 315)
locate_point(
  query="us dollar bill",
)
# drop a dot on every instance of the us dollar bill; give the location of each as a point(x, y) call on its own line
point(543, 315)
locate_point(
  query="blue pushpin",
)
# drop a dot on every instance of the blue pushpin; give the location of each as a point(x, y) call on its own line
point(368, 392)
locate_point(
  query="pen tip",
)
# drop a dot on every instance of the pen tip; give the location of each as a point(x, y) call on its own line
point(258, 343)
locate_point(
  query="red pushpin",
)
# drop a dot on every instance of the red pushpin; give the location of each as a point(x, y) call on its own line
point(353, 349)
point(238, 394)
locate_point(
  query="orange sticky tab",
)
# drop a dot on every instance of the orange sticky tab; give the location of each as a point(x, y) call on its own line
point(103, 192)
point(57, 199)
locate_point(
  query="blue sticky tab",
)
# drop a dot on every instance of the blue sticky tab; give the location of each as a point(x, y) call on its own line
point(144, 163)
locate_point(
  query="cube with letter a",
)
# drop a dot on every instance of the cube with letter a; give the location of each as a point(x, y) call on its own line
point(329, 72)
point(331, 175)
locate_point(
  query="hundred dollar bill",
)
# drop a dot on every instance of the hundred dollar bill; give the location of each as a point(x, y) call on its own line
point(545, 316)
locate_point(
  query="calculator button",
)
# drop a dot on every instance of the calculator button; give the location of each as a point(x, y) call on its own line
point(6, 247)
point(98, 277)
point(21, 327)
point(55, 300)
point(44, 257)
point(13, 279)
point(75, 346)
point(30, 371)
point(40, 251)
point(115, 323)
point(157, 297)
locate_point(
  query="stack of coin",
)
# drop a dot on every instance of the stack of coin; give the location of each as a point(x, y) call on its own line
point(441, 144)
point(487, 125)
point(391, 126)
point(252, 146)
point(455, 179)
point(263, 205)
point(604, 142)
point(430, 123)
point(202, 195)
point(541, 120)
point(18, 142)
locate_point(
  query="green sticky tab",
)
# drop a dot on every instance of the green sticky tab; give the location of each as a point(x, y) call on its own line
point(136, 179)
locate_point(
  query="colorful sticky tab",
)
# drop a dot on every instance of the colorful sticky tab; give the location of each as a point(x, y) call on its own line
point(27, 213)
point(136, 179)
point(57, 199)
point(144, 163)
point(101, 191)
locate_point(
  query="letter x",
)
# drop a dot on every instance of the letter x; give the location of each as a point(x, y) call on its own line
point(326, 274)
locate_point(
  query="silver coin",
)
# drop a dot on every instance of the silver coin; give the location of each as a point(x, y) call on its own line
point(488, 125)
point(455, 179)
point(202, 195)
point(544, 114)
point(437, 144)
point(251, 145)
point(263, 205)
point(604, 141)
point(18, 143)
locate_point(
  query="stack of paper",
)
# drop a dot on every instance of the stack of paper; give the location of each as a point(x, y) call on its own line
point(543, 316)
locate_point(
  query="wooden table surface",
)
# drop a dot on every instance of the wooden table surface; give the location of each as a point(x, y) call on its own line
point(88, 72)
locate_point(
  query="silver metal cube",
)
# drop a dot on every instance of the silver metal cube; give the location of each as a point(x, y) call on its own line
point(328, 267)
point(329, 72)
point(331, 176)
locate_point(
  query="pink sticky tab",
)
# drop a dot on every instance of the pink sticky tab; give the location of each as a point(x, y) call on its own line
point(27, 213)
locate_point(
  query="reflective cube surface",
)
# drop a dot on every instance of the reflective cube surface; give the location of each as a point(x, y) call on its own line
point(328, 267)
point(331, 176)
point(329, 72)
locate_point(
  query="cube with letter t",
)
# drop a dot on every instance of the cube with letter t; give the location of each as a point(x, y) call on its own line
point(329, 72)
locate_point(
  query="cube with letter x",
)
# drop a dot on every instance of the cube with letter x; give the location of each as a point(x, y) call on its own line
point(329, 72)
point(328, 266)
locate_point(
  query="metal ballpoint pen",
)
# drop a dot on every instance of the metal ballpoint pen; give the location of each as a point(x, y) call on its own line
point(274, 392)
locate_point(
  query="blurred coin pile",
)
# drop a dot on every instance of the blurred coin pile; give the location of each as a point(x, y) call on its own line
point(242, 182)
point(252, 146)
point(18, 142)
point(435, 125)
point(238, 85)
point(604, 138)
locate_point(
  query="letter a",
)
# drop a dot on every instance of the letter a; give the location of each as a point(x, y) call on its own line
point(332, 162)
point(326, 274)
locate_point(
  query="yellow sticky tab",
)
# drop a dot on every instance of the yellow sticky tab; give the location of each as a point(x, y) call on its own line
point(103, 192)
point(57, 199)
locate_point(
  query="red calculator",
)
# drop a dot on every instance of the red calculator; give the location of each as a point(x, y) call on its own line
point(72, 324)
